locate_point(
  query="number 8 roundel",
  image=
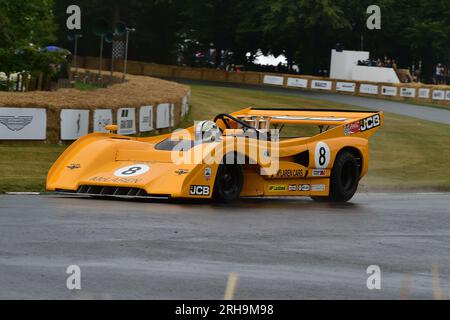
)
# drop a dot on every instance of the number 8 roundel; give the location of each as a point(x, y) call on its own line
point(322, 155)
point(132, 171)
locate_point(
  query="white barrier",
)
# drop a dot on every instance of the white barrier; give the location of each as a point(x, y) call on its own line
point(146, 119)
point(297, 83)
point(31, 123)
point(346, 86)
point(74, 124)
point(368, 89)
point(126, 120)
point(273, 80)
point(375, 74)
point(389, 91)
point(438, 95)
point(408, 92)
point(424, 93)
point(321, 85)
point(102, 118)
point(163, 116)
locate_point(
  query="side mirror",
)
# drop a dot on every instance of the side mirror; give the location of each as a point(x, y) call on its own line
point(112, 128)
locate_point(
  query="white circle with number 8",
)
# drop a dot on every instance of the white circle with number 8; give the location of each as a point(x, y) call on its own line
point(322, 155)
point(132, 171)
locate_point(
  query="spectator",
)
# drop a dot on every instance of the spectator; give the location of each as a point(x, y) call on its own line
point(438, 74)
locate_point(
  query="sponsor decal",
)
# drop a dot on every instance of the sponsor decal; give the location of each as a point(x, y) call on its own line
point(180, 172)
point(304, 187)
point(114, 180)
point(74, 166)
point(199, 191)
point(15, 123)
point(370, 123)
point(318, 187)
point(277, 188)
point(132, 171)
point(293, 187)
point(363, 125)
point(208, 173)
point(290, 173)
point(352, 128)
point(319, 173)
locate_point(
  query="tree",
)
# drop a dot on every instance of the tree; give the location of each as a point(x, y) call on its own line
point(23, 25)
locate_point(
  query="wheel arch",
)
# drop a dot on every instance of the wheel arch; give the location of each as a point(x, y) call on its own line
point(358, 154)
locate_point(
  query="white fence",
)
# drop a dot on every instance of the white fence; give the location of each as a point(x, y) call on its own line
point(33, 123)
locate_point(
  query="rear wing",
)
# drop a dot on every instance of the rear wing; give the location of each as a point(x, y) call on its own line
point(351, 121)
point(309, 116)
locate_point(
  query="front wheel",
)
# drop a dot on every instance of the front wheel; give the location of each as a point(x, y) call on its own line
point(229, 183)
point(344, 179)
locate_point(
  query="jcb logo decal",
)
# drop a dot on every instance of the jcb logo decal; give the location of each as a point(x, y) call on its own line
point(199, 191)
point(370, 123)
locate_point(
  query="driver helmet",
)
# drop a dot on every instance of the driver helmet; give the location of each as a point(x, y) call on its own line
point(207, 131)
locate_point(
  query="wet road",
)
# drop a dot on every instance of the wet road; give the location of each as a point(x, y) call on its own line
point(280, 249)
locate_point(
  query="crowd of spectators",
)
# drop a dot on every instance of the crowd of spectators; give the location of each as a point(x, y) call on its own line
point(280, 68)
point(381, 63)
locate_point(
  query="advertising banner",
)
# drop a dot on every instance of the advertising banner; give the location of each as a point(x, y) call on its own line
point(274, 80)
point(297, 83)
point(345, 86)
point(438, 94)
point(163, 116)
point(389, 91)
point(74, 124)
point(146, 119)
point(126, 120)
point(23, 124)
point(368, 89)
point(185, 106)
point(424, 93)
point(408, 92)
point(102, 118)
point(321, 85)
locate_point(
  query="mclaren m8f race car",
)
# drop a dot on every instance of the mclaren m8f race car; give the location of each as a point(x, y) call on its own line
point(253, 152)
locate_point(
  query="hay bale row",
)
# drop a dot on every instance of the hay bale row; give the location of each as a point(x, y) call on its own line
point(136, 92)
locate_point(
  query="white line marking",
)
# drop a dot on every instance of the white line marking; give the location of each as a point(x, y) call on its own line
point(432, 193)
point(231, 286)
point(23, 193)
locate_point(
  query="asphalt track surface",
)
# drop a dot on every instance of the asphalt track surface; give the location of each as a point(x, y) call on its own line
point(439, 115)
point(280, 248)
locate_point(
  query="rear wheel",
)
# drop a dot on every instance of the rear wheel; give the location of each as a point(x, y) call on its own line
point(344, 179)
point(229, 182)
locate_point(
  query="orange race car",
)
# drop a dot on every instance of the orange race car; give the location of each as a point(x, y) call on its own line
point(253, 152)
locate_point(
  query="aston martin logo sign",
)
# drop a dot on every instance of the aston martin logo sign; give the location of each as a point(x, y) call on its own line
point(15, 123)
point(23, 123)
